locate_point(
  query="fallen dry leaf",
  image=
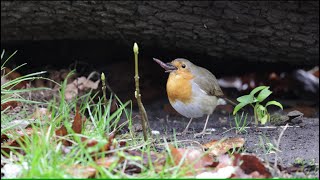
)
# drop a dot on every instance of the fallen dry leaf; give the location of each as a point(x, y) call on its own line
point(59, 76)
point(221, 173)
point(104, 147)
point(7, 74)
point(251, 165)
point(108, 161)
point(62, 131)
point(78, 122)
point(218, 148)
point(157, 159)
point(76, 127)
point(39, 83)
point(20, 138)
point(114, 106)
point(41, 113)
point(195, 157)
point(237, 166)
point(4, 137)
point(80, 171)
point(79, 84)
point(10, 104)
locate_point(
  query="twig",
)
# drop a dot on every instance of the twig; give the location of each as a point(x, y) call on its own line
point(264, 127)
point(278, 144)
point(143, 113)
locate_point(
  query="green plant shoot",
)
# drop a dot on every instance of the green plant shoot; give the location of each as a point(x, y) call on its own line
point(260, 111)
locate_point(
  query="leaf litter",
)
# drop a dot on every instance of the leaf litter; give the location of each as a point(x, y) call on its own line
point(197, 162)
point(212, 161)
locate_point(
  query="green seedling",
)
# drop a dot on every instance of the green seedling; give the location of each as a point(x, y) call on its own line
point(260, 111)
point(241, 122)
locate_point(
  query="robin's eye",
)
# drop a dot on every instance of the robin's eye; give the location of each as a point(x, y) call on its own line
point(183, 66)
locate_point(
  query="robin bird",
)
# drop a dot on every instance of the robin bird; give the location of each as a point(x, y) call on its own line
point(193, 91)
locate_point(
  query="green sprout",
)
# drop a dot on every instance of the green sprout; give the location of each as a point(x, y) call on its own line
point(260, 111)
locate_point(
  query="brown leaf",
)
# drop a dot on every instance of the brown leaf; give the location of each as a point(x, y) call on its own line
point(62, 131)
point(89, 142)
point(76, 127)
point(4, 137)
point(158, 160)
point(122, 143)
point(218, 148)
point(237, 166)
point(77, 122)
point(11, 104)
point(21, 135)
point(114, 106)
point(92, 142)
point(80, 84)
point(250, 164)
point(198, 159)
point(13, 75)
point(107, 161)
point(80, 171)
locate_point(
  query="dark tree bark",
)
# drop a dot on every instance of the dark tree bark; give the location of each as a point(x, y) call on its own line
point(267, 31)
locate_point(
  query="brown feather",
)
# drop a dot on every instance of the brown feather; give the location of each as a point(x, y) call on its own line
point(207, 81)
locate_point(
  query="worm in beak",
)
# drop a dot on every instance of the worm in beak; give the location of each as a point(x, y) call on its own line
point(167, 66)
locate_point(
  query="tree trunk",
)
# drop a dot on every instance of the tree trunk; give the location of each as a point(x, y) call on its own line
point(286, 31)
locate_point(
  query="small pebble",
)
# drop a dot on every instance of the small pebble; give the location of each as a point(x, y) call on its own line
point(137, 127)
point(211, 130)
point(155, 132)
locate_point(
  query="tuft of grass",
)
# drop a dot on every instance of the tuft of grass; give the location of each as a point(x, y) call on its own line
point(241, 123)
point(266, 144)
point(9, 94)
point(54, 160)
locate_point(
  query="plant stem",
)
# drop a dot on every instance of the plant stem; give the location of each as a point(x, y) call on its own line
point(103, 79)
point(143, 113)
point(255, 114)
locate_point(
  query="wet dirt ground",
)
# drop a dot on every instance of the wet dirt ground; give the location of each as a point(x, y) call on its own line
point(299, 141)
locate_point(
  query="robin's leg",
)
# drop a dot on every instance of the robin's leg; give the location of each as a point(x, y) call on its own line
point(186, 129)
point(204, 128)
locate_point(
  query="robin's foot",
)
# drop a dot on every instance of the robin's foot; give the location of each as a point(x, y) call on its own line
point(183, 133)
point(201, 134)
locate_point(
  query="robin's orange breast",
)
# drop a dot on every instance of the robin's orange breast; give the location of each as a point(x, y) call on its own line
point(179, 86)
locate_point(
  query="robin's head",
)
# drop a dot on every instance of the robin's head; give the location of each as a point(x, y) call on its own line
point(178, 65)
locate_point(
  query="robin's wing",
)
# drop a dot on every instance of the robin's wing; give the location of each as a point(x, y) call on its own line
point(208, 82)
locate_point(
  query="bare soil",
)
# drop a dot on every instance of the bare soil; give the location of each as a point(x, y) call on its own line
point(299, 141)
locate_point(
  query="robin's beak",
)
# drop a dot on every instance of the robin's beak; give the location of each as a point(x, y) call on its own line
point(167, 66)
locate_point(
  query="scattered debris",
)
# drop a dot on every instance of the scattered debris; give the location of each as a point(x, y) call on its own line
point(217, 148)
point(10, 104)
point(79, 171)
point(79, 85)
point(41, 113)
